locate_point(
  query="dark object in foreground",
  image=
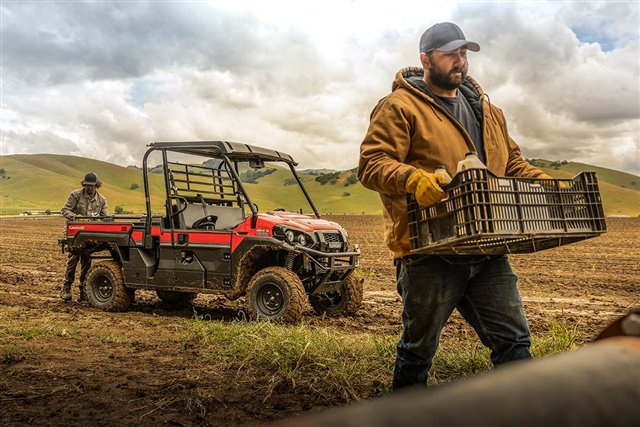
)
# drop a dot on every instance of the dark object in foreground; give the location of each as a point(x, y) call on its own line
point(597, 385)
point(485, 214)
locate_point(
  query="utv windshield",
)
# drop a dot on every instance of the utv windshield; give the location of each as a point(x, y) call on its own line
point(273, 186)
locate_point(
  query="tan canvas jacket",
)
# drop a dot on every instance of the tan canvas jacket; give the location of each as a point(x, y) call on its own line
point(410, 130)
point(79, 203)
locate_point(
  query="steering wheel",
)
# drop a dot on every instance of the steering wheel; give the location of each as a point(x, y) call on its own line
point(206, 223)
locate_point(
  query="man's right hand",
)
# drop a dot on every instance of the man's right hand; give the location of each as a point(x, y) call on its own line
point(426, 187)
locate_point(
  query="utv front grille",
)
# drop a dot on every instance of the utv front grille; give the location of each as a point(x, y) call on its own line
point(332, 237)
point(330, 241)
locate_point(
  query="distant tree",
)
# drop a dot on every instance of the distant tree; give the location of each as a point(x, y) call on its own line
point(134, 186)
point(120, 210)
point(2, 172)
point(290, 181)
point(351, 179)
point(346, 194)
point(330, 178)
point(47, 212)
point(252, 176)
point(557, 164)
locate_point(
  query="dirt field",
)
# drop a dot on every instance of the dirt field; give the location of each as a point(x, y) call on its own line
point(87, 366)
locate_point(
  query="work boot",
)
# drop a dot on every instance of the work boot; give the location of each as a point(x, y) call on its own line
point(66, 292)
point(82, 296)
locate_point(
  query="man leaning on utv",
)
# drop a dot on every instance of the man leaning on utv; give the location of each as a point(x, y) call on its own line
point(85, 201)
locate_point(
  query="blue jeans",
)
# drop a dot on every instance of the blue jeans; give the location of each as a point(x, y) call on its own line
point(482, 288)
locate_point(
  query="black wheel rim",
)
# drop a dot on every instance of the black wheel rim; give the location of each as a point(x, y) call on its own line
point(270, 299)
point(331, 299)
point(335, 298)
point(103, 289)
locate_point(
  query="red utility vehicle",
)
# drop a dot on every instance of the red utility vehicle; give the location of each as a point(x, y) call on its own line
point(212, 238)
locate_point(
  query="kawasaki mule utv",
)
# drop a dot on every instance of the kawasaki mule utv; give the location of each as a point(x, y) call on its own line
point(211, 238)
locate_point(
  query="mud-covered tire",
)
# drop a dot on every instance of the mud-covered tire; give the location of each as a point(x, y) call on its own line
point(177, 299)
point(345, 302)
point(105, 289)
point(276, 294)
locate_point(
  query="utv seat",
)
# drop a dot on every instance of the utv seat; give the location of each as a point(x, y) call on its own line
point(226, 217)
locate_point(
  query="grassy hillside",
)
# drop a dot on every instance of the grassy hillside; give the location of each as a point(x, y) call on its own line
point(620, 191)
point(43, 182)
point(336, 198)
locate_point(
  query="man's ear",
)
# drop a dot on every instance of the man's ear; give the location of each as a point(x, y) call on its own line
point(424, 59)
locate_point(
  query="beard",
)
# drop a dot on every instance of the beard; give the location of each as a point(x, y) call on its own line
point(446, 80)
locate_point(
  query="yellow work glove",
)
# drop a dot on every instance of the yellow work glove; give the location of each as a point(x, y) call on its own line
point(561, 184)
point(426, 187)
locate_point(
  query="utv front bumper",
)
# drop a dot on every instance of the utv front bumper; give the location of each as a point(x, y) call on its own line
point(331, 268)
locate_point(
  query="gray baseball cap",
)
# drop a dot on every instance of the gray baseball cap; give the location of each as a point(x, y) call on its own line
point(445, 37)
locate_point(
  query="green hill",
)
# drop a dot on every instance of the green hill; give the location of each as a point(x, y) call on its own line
point(40, 182)
point(43, 182)
point(620, 191)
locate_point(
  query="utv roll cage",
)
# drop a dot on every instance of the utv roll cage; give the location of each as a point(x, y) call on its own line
point(204, 190)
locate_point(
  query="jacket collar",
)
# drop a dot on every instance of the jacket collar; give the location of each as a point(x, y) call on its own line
point(410, 78)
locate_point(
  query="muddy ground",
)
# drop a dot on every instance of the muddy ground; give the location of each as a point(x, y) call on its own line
point(84, 366)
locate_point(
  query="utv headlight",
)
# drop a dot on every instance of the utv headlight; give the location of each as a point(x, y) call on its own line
point(290, 235)
point(302, 239)
point(293, 236)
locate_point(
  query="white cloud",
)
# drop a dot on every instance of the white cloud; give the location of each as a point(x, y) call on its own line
point(103, 79)
point(564, 99)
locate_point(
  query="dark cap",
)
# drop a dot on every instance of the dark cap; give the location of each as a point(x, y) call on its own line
point(90, 179)
point(445, 37)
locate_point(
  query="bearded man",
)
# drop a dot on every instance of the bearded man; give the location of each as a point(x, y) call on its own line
point(434, 116)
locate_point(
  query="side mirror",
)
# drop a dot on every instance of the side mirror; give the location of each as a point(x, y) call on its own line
point(256, 163)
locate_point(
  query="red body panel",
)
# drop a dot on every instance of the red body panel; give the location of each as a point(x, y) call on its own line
point(264, 227)
point(75, 228)
point(299, 221)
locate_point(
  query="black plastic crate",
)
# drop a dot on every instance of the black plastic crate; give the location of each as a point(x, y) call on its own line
point(485, 214)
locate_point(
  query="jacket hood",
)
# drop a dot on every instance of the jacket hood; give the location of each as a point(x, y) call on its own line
point(411, 79)
point(403, 77)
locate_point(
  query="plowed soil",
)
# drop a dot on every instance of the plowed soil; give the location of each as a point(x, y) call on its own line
point(83, 374)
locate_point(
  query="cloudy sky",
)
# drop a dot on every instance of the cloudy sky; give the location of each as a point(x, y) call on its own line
point(103, 78)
